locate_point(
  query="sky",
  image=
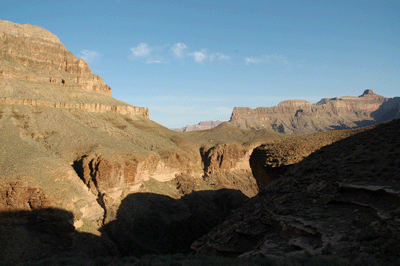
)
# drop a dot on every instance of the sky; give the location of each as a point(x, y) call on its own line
point(192, 61)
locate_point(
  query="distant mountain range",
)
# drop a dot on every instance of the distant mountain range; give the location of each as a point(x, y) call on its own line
point(300, 117)
point(200, 126)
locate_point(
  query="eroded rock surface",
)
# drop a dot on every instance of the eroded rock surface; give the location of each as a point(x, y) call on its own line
point(36, 69)
point(342, 199)
point(271, 160)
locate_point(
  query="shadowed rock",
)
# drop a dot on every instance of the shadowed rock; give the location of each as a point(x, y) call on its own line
point(342, 199)
point(148, 223)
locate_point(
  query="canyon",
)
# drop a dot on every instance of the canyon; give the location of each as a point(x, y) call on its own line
point(84, 174)
point(72, 153)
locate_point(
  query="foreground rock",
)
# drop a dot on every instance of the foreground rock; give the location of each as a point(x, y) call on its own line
point(301, 117)
point(342, 199)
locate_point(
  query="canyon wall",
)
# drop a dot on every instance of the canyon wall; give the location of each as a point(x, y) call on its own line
point(301, 117)
point(36, 69)
point(71, 155)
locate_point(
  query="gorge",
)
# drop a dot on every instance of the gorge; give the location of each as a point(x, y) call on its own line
point(84, 174)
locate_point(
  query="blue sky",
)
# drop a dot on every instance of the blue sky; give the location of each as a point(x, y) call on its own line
point(191, 61)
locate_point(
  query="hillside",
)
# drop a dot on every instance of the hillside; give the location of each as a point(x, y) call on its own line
point(342, 200)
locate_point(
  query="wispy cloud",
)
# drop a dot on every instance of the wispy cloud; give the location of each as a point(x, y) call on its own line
point(142, 50)
point(178, 49)
point(89, 56)
point(269, 59)
point(278, 58)
point(222, 56)
point(252, 60)
point(219, 56)
point(160, 54)
point(202, 56)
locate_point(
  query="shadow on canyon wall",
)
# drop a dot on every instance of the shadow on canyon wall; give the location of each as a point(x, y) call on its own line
point(388, 110)
point(146, 223)
point(47, 233)
point(150, 223)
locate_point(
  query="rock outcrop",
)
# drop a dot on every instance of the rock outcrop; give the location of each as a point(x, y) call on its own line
point(301, 117)
point(271, 160)
point(36, 69)
point(200, 126)
point(34, 54)
point(342, 200)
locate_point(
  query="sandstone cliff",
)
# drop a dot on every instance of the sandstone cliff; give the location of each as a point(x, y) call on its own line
point(301, 117)
point(36, 69)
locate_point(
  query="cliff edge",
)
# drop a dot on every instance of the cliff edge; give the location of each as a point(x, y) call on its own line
point(36, 69)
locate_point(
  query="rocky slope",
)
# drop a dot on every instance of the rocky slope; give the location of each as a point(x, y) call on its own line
point(67, 145)
point(200, 126)
point(301, 117)
point(341, 200)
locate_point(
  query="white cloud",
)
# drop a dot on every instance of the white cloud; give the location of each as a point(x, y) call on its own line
point(178, 48)
point(142, 50)
point(253, 60)
point(199, 56)
point(222, 56)
point(270, 59)
point(219, 56)
point(89, 56)
point(159, 54)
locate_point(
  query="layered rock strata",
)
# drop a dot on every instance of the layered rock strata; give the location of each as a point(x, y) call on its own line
point(34, 54)
point(48, 74)
point(301, 117)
